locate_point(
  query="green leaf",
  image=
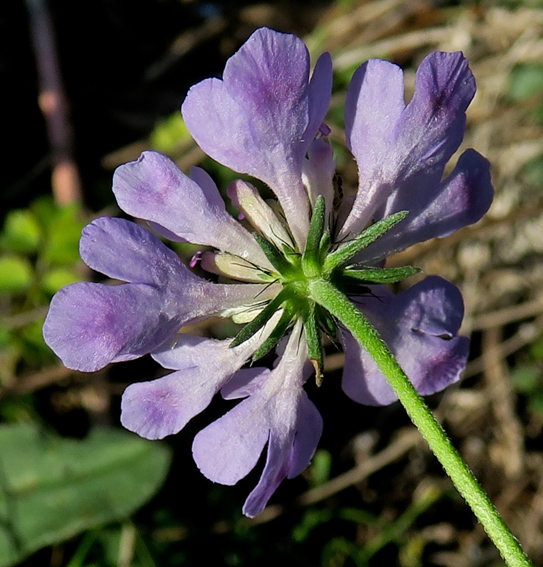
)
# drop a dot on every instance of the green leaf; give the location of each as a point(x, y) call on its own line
point(44, 210)
point(535, 403)
point(321, 466)
point(536, 349)
point(526, 379)
point(53, 488)
point(15, 274)
point(21, 232)
point(33, 347)
point(312, 518)
point(274, 255)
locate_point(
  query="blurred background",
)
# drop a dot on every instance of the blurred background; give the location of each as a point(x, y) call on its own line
point(87, 86)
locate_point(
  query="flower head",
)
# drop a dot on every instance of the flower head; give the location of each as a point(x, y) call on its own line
point(265, 118)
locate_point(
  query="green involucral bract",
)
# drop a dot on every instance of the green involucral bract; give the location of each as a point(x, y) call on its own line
point(320, 261)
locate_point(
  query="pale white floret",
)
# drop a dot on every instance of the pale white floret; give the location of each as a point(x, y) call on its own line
point(231, 266)
point(258, 213)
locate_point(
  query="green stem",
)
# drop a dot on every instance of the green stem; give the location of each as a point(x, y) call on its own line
point(327, 295)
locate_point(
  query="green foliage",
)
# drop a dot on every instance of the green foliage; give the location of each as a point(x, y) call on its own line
point(312, 518)
point(21, 232)
point(532, 172)
point(61, 228)
point(169, 134)
point(342, 79)
point(341, 551)
point(526, 86)
point(114, 545)
point(15, 275)
point(321, 465)
point(525, 81)
point(39, 248)
point(55, 278)
point(53, 488)
point(39, 254)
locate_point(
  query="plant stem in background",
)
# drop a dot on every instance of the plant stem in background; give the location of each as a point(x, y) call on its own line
point(65, 181)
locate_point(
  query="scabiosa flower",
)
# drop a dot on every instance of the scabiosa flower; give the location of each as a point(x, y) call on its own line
point(265, 118)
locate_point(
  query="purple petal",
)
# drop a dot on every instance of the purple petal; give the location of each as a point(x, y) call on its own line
point(261, 117)
point(375, 101)
point(411, 149)
point(153, 188)
point(289, 453)
point(419, 326)
point(90, 325)
point(276, 411)
point(437, 211)
point(318, 171)
point(164, 406)
point(261, 104)
point(308, 433)
point(145, 259)
point(432, 125)
point(243, 385)
point(275, 471)
point(229, 448)
point(320, 88)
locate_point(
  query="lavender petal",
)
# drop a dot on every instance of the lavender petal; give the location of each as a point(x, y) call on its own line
point(419, 326)
point(411, 148)
point(436, 211)
point(270, 114)
point(276, 411)
point(153, 188)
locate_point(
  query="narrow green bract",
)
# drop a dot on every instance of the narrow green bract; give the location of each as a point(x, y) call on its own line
point(347, 251)
point(298, 272)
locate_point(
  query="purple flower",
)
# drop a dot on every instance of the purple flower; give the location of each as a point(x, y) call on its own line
point(265, 118)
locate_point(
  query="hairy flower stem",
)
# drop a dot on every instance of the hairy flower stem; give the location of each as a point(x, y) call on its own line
point(334, 301)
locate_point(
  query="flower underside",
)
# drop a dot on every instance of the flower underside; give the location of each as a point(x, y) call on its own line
point(296, 272)
point(310, 265)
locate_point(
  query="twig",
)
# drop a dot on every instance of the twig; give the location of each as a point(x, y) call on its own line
point(507, 315)
point(523, 337)
point(25, 318)
point(65, 179)
point(508, 430)
point(37, 381)
point(184, 44)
